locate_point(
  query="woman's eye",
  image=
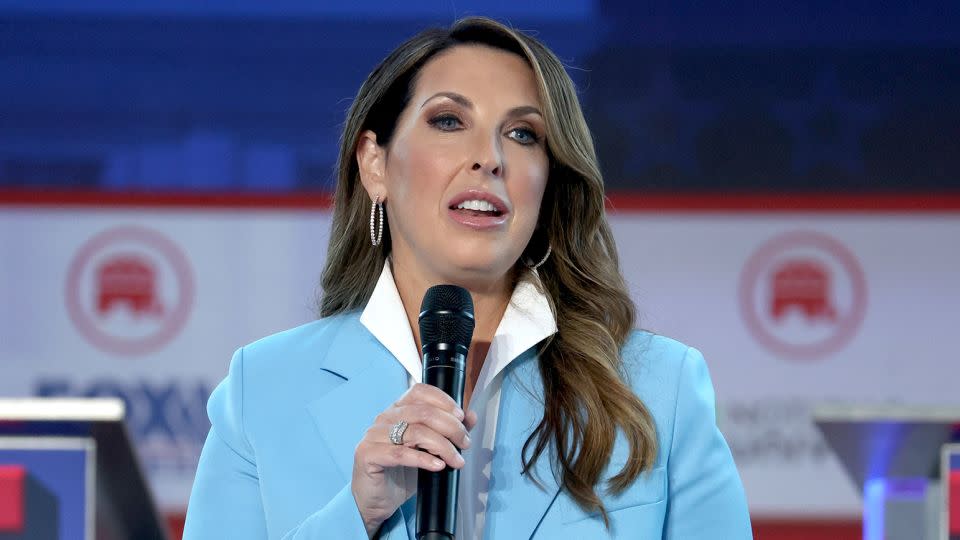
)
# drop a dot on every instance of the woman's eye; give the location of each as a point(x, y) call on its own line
point(445, 122)
point(523, 135)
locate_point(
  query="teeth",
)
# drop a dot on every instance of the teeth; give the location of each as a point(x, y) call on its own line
point(474, 204)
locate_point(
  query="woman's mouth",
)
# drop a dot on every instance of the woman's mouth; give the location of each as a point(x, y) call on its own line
point(477, 214)
point(477, 207)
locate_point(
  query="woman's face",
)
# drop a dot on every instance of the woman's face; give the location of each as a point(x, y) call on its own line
point(466, 169)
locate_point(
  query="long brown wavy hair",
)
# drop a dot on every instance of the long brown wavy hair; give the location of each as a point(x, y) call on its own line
point(586, 399)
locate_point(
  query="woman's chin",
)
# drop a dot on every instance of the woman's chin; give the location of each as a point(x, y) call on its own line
point(478, 272)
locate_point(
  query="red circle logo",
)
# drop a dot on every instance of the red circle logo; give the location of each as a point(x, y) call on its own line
point(803, 295)
point(129, 290)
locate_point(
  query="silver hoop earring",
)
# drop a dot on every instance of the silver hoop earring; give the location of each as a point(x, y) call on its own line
point(376, 207)
point(544, 259)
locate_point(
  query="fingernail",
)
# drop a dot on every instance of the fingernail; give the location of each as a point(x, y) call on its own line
point(466, 441)
point(437, 463)
point(459, 413)
point(460, 459)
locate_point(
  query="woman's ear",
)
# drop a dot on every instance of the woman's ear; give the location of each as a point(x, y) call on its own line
point(372, 163)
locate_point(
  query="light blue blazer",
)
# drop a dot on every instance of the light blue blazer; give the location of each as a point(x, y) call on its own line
point(278, 460)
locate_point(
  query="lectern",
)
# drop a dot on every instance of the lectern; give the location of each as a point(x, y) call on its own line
point(69, 472)
point(895, 454)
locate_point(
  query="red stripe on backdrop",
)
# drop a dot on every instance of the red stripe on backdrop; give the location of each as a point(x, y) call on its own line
point(173, 200)
point(769, 529)
point(786, 202)
point(616, 201)
point(786, 529)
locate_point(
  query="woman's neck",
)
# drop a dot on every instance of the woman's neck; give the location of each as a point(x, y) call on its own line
point(489, 304)
point(489, 299)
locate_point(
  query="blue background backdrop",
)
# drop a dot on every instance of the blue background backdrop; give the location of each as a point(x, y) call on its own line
point(707, 96)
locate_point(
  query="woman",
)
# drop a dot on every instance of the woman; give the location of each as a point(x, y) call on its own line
point(471, 146)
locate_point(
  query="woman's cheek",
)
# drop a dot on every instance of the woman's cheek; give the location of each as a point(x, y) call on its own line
point(432, 165)
point(533, 186)
point(535, 171)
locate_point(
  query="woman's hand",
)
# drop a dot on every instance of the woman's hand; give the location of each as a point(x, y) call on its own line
point(384, 474)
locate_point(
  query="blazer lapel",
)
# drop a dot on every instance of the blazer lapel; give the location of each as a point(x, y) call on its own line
point(373, 379)
point(516, 503)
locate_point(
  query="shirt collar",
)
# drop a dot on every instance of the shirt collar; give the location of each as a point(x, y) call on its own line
point(528, 320)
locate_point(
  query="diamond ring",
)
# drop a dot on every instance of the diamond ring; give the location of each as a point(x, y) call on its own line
point(396, 434)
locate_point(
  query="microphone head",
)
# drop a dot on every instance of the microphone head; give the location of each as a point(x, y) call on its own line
point(446, 316)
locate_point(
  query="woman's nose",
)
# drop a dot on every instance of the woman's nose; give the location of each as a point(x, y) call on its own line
point(489, 158)
point(494, 169)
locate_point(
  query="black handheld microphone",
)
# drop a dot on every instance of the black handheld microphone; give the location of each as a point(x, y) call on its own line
point(446, 329)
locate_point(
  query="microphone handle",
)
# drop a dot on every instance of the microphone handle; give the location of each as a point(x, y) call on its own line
point(437, 490)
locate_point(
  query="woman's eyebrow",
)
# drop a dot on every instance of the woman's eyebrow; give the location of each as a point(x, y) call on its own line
point(522, 110)
point(462, 100)
point(459, 98)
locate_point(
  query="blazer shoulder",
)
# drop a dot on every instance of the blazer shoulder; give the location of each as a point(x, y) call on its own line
point(277, 373)
point(307, 341)
point(662, 372)
point(645, 354)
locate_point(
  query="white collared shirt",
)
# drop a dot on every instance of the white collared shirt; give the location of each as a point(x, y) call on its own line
point(527, 321)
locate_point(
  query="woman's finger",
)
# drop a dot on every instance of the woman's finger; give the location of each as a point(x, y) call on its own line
point(386, 455)
point(422, 437)
point(470, 420)
point(443, 422)
point(431, 395)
